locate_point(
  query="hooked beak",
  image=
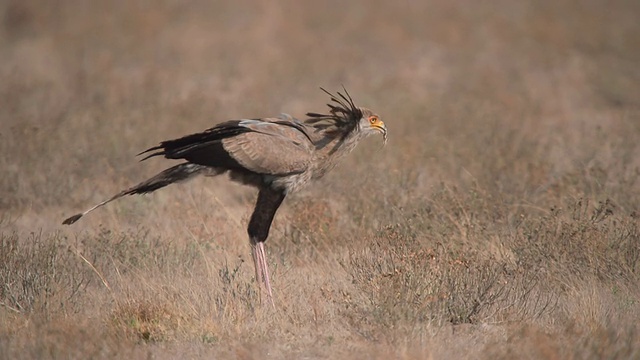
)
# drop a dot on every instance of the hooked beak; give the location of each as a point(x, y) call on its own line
point(383, 130)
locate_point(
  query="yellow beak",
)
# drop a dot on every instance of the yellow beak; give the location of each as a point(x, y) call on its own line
point(379, 125)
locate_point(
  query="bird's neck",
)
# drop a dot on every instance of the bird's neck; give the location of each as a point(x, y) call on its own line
point(331, 148)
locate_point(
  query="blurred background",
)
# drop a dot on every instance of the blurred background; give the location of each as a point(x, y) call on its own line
point(467, 88)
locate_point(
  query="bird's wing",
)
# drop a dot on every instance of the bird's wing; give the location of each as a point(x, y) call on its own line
point(272, 146)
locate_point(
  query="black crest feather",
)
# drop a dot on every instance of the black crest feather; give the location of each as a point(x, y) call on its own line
point(343, 111)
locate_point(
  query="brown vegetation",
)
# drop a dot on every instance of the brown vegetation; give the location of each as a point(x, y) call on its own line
point(501, 220)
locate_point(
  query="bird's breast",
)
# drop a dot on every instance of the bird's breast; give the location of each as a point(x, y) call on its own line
point(292, 183)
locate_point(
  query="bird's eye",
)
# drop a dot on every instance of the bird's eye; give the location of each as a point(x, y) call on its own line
point(373, 119)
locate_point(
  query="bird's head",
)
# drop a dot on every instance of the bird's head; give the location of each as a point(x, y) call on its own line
point(371, 123)
point(346, 117)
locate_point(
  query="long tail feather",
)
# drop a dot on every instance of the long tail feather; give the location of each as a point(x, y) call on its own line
point(169, 176)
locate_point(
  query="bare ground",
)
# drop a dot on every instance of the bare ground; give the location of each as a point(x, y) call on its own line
point(501, 221)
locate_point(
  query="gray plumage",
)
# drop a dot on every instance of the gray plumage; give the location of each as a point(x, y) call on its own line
point(276, 155)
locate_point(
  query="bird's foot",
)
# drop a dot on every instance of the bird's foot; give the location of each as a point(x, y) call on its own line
point(262, 270)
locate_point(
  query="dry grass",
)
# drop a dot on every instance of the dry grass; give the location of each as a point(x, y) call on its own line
point(501, 220)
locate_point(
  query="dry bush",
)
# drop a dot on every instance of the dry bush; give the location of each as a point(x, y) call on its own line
point(146, 320)
point(136, 251)
point(40, 274)
point(586, 241)
point(416, 277)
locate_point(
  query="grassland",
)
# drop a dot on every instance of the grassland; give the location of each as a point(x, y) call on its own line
point(501, 220)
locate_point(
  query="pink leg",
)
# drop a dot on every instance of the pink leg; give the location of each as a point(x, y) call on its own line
point(262, 270)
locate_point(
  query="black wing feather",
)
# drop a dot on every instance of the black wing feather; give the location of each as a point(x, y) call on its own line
point(181, 148)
